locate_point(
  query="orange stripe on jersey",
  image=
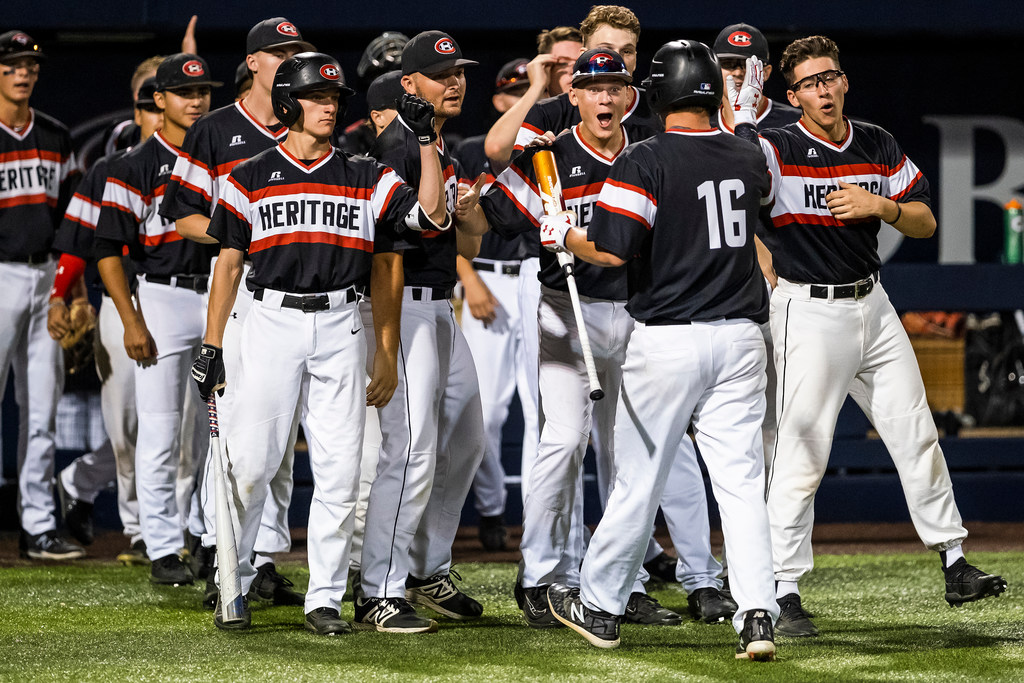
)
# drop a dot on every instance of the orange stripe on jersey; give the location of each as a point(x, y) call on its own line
point(226, 167)
point(829, 221)
point(193, 161)
point(908, 188)
point(87, 200)
point(24, 200)
point(832, 172)
point(198, 190)
point(623, 212)
point(28, 154)
point(121, 183)
point(305, 188)
point(345, 241)
point(232, 209)
point(162, 238)
point(582, 191)
point(632, 188)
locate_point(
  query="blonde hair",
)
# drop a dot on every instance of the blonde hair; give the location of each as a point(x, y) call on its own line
point(615, 16)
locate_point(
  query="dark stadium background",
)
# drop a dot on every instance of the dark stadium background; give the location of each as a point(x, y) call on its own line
point(905, 61)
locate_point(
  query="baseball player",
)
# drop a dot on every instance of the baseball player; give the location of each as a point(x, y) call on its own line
point(164, 330)
point(835, 331)
point(433, 428)
point(313, 222)
point(491, 324)
point(36, 172)
point(213, 147)
point(733, 46)
point(382, 56)
point(696, 353)
point(81, 481)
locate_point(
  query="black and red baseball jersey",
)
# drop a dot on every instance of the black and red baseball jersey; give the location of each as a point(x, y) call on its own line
point(213, 146)
point(513, 205)
point(130, 214)
point(558, 113)
point(808, 244)
point(310, 226)
point(428, 256)
point(37, 168)
point(681, 208)
point(78, 228)
point(470, 153)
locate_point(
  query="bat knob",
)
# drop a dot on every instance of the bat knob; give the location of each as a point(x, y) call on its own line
point(596, 395)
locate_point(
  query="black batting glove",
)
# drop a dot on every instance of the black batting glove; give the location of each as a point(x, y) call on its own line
point(208, 371)
point(418, 114)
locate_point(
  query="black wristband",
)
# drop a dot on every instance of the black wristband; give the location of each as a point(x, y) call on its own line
point(899, 214)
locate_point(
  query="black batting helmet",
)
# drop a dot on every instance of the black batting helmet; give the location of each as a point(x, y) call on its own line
point(305, 72)
point(684, 73)
point(383, 54)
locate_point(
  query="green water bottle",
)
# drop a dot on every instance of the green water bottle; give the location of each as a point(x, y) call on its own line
point(1013, 230)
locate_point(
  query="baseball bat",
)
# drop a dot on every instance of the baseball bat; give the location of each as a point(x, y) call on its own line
point(227, 555)
point(550, 188)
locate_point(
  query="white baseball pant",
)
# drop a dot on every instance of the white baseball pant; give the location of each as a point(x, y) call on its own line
point(38, 383)
point(824, 350)
point(529, 304)
point(316, 361)
point(432, 445)
point(713, 375)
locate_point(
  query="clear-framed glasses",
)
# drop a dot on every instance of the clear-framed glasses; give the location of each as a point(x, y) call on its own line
point(828, 78)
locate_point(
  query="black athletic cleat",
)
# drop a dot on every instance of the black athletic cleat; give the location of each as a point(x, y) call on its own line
point(662, 567)
point(493, 535)
point(535, 608)
point(211, 592)
point(203, 560)
point(794, 621)
point(271, 586)
point(77, 515)
point(643, 609)
point(170, 570)
point(240, 625)
point(757, 641)
point(390, 615)
point(967, 583)
point(711, 606)
point(326, 621)
point(439, 594)
point(135, 555)
point(49, 546)
point(601, 629)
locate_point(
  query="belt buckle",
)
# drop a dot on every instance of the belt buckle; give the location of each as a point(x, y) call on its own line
point(311, 304)
point(862, 289)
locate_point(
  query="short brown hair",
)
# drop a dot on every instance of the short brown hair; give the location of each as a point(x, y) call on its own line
point(801, 50)
point(144, 71)
point(615, 16)
point(559, 34)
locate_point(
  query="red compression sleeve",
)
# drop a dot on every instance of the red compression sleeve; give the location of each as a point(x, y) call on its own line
point(69, 269)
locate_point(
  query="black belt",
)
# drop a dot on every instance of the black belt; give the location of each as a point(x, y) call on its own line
point(32, 259)
point(431, 293)
point(309, 303)
point(499, 267)
point(858, 290)
point(658, 322)
point(197, 283)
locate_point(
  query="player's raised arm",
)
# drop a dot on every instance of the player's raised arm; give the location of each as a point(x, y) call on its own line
point(418, 115)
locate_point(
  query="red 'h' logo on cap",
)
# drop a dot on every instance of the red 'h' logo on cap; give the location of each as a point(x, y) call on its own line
point(21, 38)
point(445, 46)
point(601, 59)
point(193, 68)
point(330, 72)
point(287, 28)
point(740, 39)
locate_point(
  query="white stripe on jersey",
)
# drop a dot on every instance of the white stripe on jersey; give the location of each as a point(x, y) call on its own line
point(521, 191)
point(628, 200)
point(383, 190)
point(196, 177)
point(84, 211)
point(31, 179)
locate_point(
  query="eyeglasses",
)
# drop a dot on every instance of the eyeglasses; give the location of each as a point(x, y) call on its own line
point(828, 78)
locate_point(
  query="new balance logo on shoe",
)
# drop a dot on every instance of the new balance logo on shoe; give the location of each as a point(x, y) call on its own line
point(576, 612)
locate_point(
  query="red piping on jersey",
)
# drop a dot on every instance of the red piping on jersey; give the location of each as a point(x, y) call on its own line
point(308, 168)
point(834, 145)
point(908, 188)
point(533, 129)
point(623, 212)
point(582, 191)
point(522, 209)
point(310, 188)
point(592, 150)
point(24, 131)
point(161, 239)
point(835, 171)
point(22, 200)
point(532, 185)
point(329, 238)
point(636, 103)
point(160, 137)
point(226, 168)
point(632, 188)
point(26, 154)
point(88, 200)
point(814, 219)
point(387, 200)
point(198, 190)
point(193, 162)
point(232, 209)
point(245, 112)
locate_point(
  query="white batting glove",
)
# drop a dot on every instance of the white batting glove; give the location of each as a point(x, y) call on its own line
point(554, 228)
point(747, 98)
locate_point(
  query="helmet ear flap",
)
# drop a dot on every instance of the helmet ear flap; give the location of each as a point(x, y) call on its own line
point(286, 108)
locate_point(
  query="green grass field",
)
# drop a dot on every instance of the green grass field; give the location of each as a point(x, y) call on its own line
point(882, 618)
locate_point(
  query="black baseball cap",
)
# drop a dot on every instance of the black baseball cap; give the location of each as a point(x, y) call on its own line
point(16, 44)
point(385, 91)
point(742, 41)
point(242, 74)
point(600, 63)
point(431, 52)
point(276, 32)
point(146, 91)
point(512, 76)
point(183, 70)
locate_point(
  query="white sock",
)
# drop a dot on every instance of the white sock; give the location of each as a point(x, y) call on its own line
point(953, 554)
point(784, 588)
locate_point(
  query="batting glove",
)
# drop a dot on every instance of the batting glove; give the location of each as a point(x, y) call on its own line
point(554, 228)
point(746, 99)
point(418, 115)
point(208, 371)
